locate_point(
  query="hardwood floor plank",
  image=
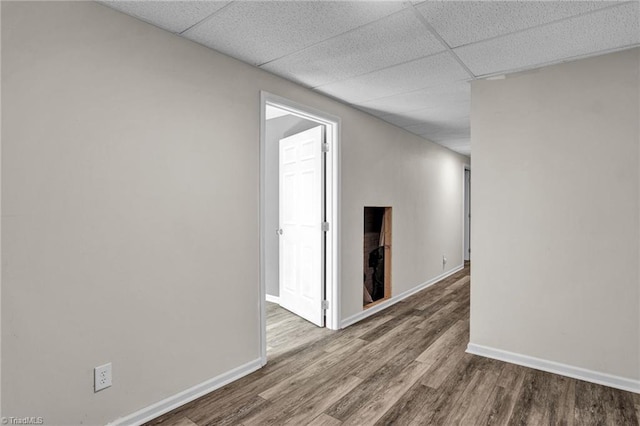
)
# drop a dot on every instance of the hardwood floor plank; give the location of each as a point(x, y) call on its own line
point(404, 366)
point(589, 408)
point(380, 404)
point(382, 330)
point(373, 397)
point(342, 366)
point(454, 311)
point(306, 403)
point(569, 401)
point(321, 402)
point(442, 367)
point(432, 296)
point(597, 404)
point(449, 391)
point(503, 398)
point(172, 417)
point(208, 417)
point(407, 407)
point(324, 420)
point(562, 394)
point(440, 295)
point(498, 408)
point(474, 398)
point(444, 311)
point(182, 421)
point(289, 331)
point(377, 354)
point(317, 367)
point(539, 399)
point(455, 336)
point(526, 411)
point(623, 411)
point(356, 331)
point(460, 393)
point(459, 284)
point(511, 376)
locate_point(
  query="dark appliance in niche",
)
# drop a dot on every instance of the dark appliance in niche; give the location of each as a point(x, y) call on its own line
point(377, 255)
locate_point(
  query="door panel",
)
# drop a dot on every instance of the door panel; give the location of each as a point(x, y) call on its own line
point(301, 216)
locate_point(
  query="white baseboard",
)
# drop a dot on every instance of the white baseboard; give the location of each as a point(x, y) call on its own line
point(273, 299)
point(395, 299)
point(579, 373)
point(179, 399)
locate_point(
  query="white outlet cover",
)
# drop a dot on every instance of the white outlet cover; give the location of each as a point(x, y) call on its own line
point(102, 377)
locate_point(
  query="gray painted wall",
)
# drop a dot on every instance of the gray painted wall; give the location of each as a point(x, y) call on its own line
point(130, 215)
point(555, 224)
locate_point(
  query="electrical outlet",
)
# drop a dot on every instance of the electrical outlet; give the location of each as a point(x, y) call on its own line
point(444, 261)
point(102, 377)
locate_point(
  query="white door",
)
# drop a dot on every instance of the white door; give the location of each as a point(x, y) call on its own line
point(301, 215)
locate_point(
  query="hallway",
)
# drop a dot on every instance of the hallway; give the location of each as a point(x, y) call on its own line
point(405, 365)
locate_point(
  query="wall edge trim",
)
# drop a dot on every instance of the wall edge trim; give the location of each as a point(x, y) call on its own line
point(554, 367)
point(395, 299)
point(162, 407)
point(272, 299)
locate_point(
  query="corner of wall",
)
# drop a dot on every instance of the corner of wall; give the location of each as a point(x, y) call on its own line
point(0, 225)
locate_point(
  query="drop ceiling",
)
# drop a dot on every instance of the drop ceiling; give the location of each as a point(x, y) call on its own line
point(408, 63)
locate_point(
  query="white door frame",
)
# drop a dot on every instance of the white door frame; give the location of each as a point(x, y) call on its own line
point(332, 187)
point(465, 167)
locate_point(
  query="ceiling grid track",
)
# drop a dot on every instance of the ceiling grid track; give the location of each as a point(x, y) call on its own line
point(544, 24)
point(407, 63)
point(433, 32)
point(330, 38)
point(382, 69)
point(205, 19)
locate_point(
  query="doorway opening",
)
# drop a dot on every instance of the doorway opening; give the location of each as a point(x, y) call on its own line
point(377, 255)
point(298, 222)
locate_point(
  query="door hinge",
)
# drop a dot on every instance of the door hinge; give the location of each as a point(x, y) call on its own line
point(325, 226)
point(325, 305)
point(325, 147)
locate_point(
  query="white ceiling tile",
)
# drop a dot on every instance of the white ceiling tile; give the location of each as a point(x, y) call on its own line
point(458, 111)
point(461, 146)
point(442, 136)
point(439, 130)
point(261, 31)
point(588, 34)
point(434, 70)
point(377, 56)
point(463, 22)
point(456, 143)
point(386, 42)
point(174, 16)
point(431, 97)
point(442, 130)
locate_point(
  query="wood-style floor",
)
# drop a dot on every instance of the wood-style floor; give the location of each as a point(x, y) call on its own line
point(404, 366)
point(286, 331)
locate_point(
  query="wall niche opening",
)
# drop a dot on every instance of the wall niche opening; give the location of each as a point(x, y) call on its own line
point(377, 255)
